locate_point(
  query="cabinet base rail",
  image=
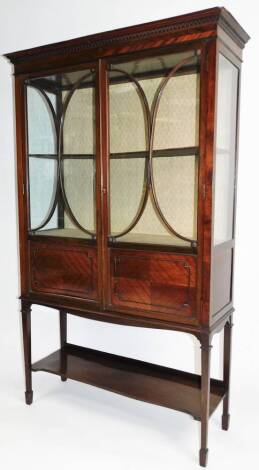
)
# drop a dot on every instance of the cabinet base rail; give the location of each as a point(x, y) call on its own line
point(132, 378)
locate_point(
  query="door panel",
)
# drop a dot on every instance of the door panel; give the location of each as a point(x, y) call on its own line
point(66, 270)
point(157, 282)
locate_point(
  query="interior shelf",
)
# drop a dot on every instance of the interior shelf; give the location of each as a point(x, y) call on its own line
point(64, 232)
point(150, 239)
point(139, 238)
point(143, 381)
point(171, 152)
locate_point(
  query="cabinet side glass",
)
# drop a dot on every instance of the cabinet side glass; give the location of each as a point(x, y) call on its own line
point(225, 161)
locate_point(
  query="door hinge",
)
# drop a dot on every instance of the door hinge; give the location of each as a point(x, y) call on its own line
point(207, 63)
point(204, 191)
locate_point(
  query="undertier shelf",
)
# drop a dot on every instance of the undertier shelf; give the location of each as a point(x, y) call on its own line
point(150, 383)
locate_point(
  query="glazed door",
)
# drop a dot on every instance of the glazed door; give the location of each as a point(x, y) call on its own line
point(61, 154)
point(61, 161)
point(154, 106)
point(154, 149)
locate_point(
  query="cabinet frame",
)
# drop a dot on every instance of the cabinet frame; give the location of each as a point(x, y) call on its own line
point(213, 31)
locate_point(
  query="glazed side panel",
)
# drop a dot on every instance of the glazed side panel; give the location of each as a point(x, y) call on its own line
point(222, 266)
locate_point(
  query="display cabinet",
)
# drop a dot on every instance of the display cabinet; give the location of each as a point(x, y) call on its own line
point(127, 164)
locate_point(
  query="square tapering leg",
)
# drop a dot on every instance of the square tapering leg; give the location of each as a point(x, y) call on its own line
point(205, 397)
point(63, 341)
point(26, 328)
point(226, 372)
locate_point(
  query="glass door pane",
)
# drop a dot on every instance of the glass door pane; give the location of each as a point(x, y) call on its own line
point(154, 149)
point(41, 142)
point(61, 153)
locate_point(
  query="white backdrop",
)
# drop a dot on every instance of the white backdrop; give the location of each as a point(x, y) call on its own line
point(71, 423)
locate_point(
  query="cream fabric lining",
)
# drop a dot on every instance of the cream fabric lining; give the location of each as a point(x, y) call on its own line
point(175, 177)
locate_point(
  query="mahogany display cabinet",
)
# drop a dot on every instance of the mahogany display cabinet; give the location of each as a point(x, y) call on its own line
point(127, 164)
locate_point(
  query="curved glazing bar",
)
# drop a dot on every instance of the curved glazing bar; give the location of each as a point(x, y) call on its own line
point(61, 159)
point(155, 106)
point(58, 116)
point(50, 105)
point(145, 191)
point(54, 200)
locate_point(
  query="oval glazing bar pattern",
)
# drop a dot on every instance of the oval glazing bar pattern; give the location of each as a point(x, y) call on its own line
point(59, 192)
point(150, 116)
